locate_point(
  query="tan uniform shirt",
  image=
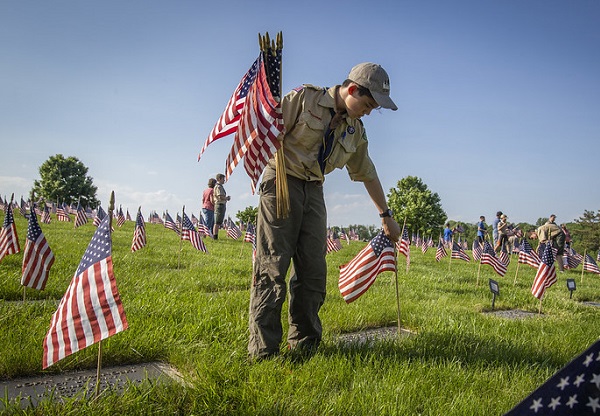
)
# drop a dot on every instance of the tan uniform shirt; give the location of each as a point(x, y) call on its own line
point(548, 231)
point(306, 115)
point(219, 194)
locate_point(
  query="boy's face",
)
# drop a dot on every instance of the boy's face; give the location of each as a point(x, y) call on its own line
point(358, 106)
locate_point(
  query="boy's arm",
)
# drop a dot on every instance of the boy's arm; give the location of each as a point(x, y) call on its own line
point(390, 226)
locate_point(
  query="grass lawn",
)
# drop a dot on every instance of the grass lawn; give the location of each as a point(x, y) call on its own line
point(190, 309)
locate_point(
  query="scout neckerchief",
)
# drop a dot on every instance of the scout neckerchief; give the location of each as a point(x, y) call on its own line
point(328, 135)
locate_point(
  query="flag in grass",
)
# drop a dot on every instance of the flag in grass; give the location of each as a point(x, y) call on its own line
point(9, 240)
point(203, 228)
point(476, 250)
point(589, 265)
point(527, 254)
point(46, 215)
point(504, 257)
point(403, 245)
point(488, 256)
point(139, 234)
point(459, 253)
point(574, 390)
point(38, 258)
point(100, 214)
point(80, 217)
point(233, 230)
point(546, 273)
point(120, 217)
point(440, 252)
point(359, 274)
point(170, 224)
point(573, 258)
point(188, 232)
point(62, 213)
point(91, 309)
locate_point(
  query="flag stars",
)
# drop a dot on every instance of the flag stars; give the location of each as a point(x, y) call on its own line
point(572, 401)
point(554, 403)
point(580, 379)
point(593, 403)
point(536, 405)
point(588, 360)
point(596, 380)
point(564, 382)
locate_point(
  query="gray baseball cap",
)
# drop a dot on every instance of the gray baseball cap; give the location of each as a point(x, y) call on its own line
point(375, 79)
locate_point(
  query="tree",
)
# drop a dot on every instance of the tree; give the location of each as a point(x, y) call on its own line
point(65, 180)
point(422, 209)
point(587, 230)
point(248, 215)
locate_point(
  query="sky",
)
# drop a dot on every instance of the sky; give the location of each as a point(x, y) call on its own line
point(498, 101)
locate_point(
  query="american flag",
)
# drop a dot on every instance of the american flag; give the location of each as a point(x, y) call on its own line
point(100, 215)
point(546, 273)
point(255, 117)
point(589, 265)
point(440, 252)
point(476, 250)
point(527, 254)
point(203, 228)
point(170, 224)
point(360, 273)
point(23, 208)
point(574, 390)
point(250, 236)
point(573, 258)
point(233, 230)
point(189, 232)
point(127, 216)
point(9, 240)
point(80, 217)
point(120, 217)
point(504, 257)
point(488, 256)
point(37, 257)
point(62, 213)
point(426, 245)
point(333, 242)
point(459, 253)
point(139, 234)
point(91, 309)
point(403, 245)
point(46, 215)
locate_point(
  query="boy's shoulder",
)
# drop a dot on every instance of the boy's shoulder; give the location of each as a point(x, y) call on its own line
point(308, 87)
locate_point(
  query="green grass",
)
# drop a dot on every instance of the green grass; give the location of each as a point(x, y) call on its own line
point(190, 309)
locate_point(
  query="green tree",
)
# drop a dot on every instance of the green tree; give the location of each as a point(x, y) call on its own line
point(587, 230)
point(248, 215)
point(422, 209)
point(65, 180)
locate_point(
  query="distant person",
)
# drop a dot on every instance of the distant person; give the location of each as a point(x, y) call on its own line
point(495, 227)
point(220, 199)
point(448, 235)
point(208, 206)
point(503, 229)
point(481, 229)
point(565, 230)
point(550, 232)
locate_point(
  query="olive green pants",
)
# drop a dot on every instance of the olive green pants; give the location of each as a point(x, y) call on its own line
point(299, 239)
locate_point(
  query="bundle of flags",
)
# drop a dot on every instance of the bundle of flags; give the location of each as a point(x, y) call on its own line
point(359, 274)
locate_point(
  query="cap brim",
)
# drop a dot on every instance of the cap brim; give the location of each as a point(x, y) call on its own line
point(384, 101)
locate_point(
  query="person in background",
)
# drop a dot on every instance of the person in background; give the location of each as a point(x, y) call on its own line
point(567, 235)
point(495, 227)
point(323, 132)
point(208, 206)
point(553, 233)
point(448, 235)
point(220, 199)
point(503, 229)
point(481, 229)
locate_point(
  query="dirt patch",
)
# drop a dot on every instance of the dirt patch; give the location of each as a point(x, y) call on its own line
point(371, 335)
point(514, 314)
point(30, 390)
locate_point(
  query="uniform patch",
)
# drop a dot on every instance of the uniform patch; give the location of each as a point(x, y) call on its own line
point(350, 130)
point(299, 88)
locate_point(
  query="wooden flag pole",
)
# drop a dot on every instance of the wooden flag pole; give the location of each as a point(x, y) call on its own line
point(517, 272)
point(478, 272)
point(397, 284)
point(181, 239)
point(450, 259)
point(583, 264)
point(111, 206)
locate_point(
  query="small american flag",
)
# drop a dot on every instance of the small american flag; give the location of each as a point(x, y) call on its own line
point(37, 257)
point(170, 224)
point(189, 232)
point(120, 217)
point(139, 234)
point(527, 254)
point(589, 265)
point(23, 208)
point(403, 246)
point(9, 240)
point(440, 252)
point(459, 253)
point(62, 213)
point(233, 230)
point(100, 215)
point(574, 390)
point(488, 256)
point(477, 250)
point(546, 273)
point(91, 309)
point(80, 217)
point(504, 257)
point(573, 258)
point(333, 242)
point(250, 236)
point(360, 273)
point(46, 215)
point(203, 228)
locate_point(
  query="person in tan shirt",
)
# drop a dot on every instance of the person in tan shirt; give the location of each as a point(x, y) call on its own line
point(550, 231)
point(323, 131)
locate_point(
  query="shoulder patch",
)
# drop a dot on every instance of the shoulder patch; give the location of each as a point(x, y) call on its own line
point(299, 88)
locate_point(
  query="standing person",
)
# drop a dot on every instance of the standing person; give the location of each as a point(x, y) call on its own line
point(553, 233)
point(495, 227)
point(481, 229)
point(323, 131)
point(502, 242)
point(565, 230)
point(208, 206)
point(448, 235)
point(220, 199)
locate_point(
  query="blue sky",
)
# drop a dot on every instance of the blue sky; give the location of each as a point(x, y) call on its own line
point(499, 101)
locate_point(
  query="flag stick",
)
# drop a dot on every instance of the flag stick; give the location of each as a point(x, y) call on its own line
point(478, 272)
point(450, 256)
point(397, 284)
point(111, 206)
point(540, 308)
point(181, 239)
point(583, 264)
point(517, 272)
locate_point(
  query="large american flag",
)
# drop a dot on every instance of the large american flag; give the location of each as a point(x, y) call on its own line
point(9, 240)
point(139, 234)
point(255, 116)
point(589, 265)
point(574, 390)
point(527, 254)
point(37, 257)
point(188, 232)
point(91, 309)
point(488, 256)
point(459, 253)
point(359, 274)
point(546, 273)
